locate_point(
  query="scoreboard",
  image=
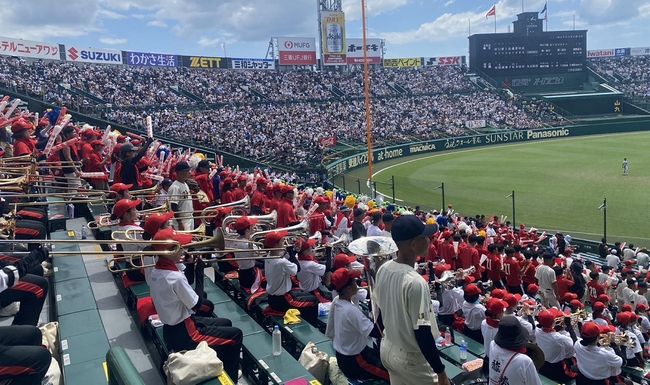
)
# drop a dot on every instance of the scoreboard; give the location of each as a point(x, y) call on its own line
point(529, 51)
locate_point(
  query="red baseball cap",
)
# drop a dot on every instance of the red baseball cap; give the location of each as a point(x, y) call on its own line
point(261, 181)
point(447, 234)
point(342, 277)
point(546, 318)
point(598, 306)
point(286, 189)
point(604, 298)
point(307, 244)
point(124, 205)
point(496, 306)
point(607, 329)
point(512, 299)
point(568, 297)
point(642, 307)
point(154, 222)
point(439, 269)
point(170, 234)
point(533, 289)
point(342, 260)
point(271, 239)
point(626, 307)
point(469, 279)
point(499, 293)
point(96, 142)
point(624, 317)
point(472, 290)
point(20, 125)
point(244, 223)
point(119, 187)
point(590, 330)
point(242, 178)
point(576, 304)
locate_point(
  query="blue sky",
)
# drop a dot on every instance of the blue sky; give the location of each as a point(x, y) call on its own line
point(243, 27)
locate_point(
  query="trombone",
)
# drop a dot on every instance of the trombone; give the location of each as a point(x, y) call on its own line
point(106, 221)
point(240, 207)
point(176, 249)
point(264, 222)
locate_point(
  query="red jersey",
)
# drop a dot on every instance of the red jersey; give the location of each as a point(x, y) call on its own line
point(238, 194)
point(227, 197)
point(85, 150)
point(24, 146)
point(594, 289)
point(433, 252)
point(529, 274)
point(317, 223)
point(446, 252)
point(203, 180)
point(467, 256)
point(258, 200)
point(512, 270)
point(286, 213)
point(93, 163)
point(563, 285)
point(494, 267)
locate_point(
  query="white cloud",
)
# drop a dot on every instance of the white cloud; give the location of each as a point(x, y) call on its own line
point(208, 42)
point(449, 2)
point(41, 20)
point(352, 8)
point(112, 40)
point(108, 14)
point(157, 23)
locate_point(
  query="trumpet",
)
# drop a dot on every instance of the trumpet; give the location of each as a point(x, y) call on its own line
point(616, 339)
point(525, 310)
point(576, 317)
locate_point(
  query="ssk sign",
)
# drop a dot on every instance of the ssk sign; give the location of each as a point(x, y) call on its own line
point(443, 61)
point(92, 55)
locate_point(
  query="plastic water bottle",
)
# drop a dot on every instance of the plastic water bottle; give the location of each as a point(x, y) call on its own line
point(447, 338)
point(277, 341)
point(70, 211)
point(463, 350)
point(84, 232)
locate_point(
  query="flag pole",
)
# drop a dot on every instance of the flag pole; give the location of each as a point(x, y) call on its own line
point(546, 16)
point(495, 18)
point(366, 91)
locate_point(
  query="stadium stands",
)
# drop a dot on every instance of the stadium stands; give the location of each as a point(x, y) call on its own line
point(630, 74)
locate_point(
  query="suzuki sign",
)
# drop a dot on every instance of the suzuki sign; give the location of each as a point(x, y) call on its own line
point(92, 55)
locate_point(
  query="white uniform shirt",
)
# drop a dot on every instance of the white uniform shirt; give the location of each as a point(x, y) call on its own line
point(403, 298)
point(488, 334)
point(545, 276)
point(474, 314)
point(628, 254)
point(520, 371)
point(528, 326)
point(310, 275)
point(172, 295)
point(238, 243)
point(180, 194)
point(597, 363)
point(556, 346)
point(630, 352)
point(452, 300)
point(601, 322)
point(342, 228)
point(348, 327)
point(642, 259)
point(640, 299)
point(628, 296)
point(612, 260)
point(278, 275)
point(373, 231)
point(645, 324)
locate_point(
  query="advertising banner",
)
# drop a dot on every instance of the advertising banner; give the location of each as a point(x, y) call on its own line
point(412, 62)
point(207, 62)
point(640, 51)
point(93, 55)
point(333, 34)
point(622, 52)
point(253, 64)
point(355, 51)
point(437, 145)
point(600, 53)
point(297, 50)
point(328, 142)
point(151, 59)
point(444, 61)
point(479, 123)
point(28, 48)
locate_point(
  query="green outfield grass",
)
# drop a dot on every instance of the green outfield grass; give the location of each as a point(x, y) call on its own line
point(559, 184)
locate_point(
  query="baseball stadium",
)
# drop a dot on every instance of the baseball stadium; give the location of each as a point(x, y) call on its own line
point(335, 209)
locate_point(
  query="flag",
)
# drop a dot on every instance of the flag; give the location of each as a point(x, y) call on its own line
point(544, 11)
point(492, 11)
point(604, 205)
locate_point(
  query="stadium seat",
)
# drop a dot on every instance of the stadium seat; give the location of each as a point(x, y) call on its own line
point(57, 213)
point(120, 368)
point(73, 296)
point(85, 373)
point(82, 322)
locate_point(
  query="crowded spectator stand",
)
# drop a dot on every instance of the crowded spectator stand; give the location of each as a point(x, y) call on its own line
point(330, 269)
